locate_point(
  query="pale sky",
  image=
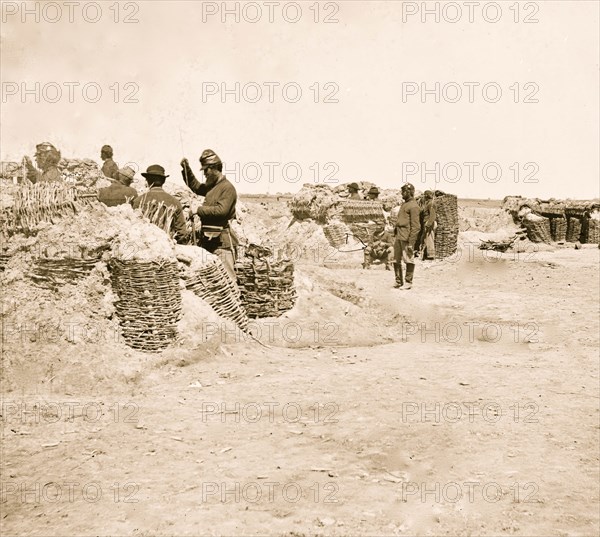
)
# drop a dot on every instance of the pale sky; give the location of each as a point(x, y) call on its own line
point(364, 60)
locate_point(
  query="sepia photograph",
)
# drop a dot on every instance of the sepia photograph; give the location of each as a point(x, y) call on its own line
point(300, 268)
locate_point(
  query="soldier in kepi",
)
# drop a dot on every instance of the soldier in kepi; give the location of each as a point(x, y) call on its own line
point(109, 168)
point(218, 210)
point(406, 233)
point(47, 158)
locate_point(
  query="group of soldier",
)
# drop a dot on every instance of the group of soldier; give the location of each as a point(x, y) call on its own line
point(353, 188)
point(410, 232)
point(218, 209)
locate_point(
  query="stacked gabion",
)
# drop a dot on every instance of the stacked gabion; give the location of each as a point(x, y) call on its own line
point(211, 282)
point(446, 234)
point(149, 301)
point(538, 228)
point(558, 228)
point(336, 233)
point(362, 211)
point(52, 273)
point(365, 232)
point(573, 229)
point(267, 286)
point(593, 231)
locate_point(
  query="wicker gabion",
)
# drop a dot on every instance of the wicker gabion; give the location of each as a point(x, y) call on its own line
point(577, 209)
point(593, 231)
point(53, 273)
point(4, 259)
point(42, 202)
point(149, 302)
point(362, 211)
point(446, 234)
point(573, 229)
point(558, 229)
point(267, 286)
point(336, 233)
point(538, 229)
point(365, 232)
point(212, 283)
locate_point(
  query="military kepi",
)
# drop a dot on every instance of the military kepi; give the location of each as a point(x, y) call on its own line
point(209, 158)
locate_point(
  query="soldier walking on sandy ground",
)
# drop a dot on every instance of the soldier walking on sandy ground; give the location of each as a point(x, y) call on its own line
point(119, 191)
point(353, 192)
point(406, 233)
point(109, 168)
point(220, 198)
point(426, 242)
point(155, 179)
point(47, 158)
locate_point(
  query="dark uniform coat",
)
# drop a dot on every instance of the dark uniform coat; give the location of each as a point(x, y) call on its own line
point(408, 225)
point(218, 209)
point(49, 175)
point(110, 168)
point(156, 193)
point(116, 194)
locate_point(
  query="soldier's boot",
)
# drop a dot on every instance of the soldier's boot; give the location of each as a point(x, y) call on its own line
point(410, 270)
point(366, 261)
point(398, 273)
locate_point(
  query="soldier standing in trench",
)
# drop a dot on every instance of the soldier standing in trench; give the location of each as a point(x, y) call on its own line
point(218, 210)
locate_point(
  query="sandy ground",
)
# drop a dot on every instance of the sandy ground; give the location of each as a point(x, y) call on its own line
point(466, 406)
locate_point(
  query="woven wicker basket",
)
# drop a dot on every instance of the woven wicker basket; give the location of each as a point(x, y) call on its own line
point(558, 229)
point(52, 273)
point(576, 208)
point(446, 234)
point(552, 210)
point(336, 233)
point(538, 230)
point(592, 231)
point(365, 232)
point(267, 288)
point(213, 284)
point(362, 211)
point(4, 259)
point(42, 202)
point(573, 229)
point(149, 302)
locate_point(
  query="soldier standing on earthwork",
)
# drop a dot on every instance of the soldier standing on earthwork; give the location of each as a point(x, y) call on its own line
point(406, 233)
point(218, 210)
